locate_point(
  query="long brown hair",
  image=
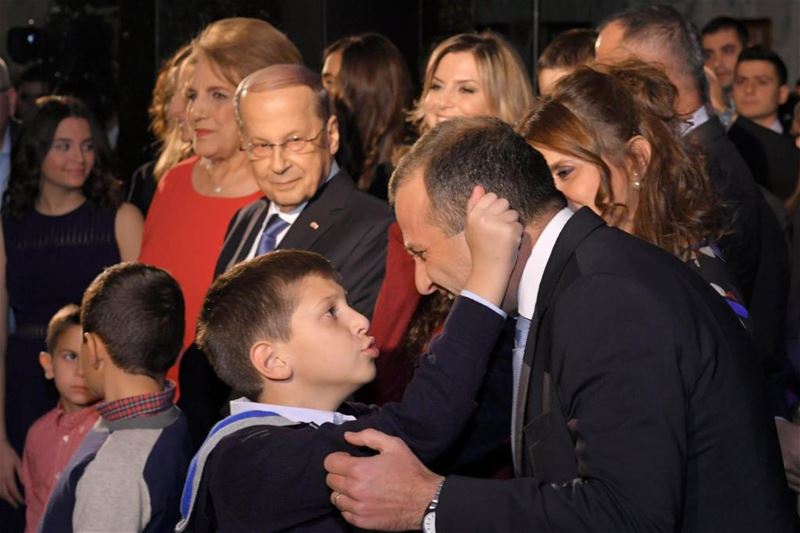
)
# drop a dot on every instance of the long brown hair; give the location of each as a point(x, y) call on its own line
point(376, 89)
point(101, 188)
point(591, 115)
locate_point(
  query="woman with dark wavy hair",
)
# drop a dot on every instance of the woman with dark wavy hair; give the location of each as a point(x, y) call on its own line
point(63, 223)
point(612, 142)
point(368, 78)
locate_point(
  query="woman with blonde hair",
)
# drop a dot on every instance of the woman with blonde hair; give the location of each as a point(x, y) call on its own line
point(473, 74)
point(196, 199)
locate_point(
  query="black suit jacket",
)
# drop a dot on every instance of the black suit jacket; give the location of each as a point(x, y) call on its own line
point(347, 226)
point(756, 251)
point(773, 158)
point(644, 408)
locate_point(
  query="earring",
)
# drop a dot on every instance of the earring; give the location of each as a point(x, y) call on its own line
point(636, 184)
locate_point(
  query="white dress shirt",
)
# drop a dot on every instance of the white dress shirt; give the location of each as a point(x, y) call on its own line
point(289, 217)
point(295, 414)
point(528, 290)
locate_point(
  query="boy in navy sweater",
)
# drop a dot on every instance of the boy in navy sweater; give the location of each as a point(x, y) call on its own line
point(128, 472)
point(278, 329)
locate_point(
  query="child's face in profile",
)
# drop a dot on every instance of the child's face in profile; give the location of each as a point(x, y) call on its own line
point(63, 367)
point(329, 347)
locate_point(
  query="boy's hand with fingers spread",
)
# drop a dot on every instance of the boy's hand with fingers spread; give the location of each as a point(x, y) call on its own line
point(493, 233)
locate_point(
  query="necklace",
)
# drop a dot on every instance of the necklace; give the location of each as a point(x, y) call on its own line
point(216, 188)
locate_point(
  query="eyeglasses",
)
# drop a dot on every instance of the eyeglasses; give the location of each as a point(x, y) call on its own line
point(263, 150)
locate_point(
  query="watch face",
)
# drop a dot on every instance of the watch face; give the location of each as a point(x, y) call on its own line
point(429, 522)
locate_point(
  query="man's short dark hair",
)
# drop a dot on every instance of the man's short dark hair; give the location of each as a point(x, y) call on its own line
point(762, 53)
point(137, 311)
point(460, 153)
point(727, 23)
point(67, 316)
point(667, 28)
point(251, 302)
point(570, 49)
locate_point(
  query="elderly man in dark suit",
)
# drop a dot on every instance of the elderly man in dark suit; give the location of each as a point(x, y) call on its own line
point(640, 403)
point(309, 203)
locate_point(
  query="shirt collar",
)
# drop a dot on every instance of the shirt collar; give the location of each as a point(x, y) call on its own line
point(68, 421)
point(528, 290)
point(777, 127)
point(699, 117)
point(295, 414)
point(292, 215)
point(136, 406)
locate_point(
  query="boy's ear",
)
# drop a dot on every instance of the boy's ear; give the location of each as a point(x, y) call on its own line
point(46, 360)
point(268, 362)
point(91, 344)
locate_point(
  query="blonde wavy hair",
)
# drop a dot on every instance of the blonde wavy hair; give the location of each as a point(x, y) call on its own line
point(500, 68)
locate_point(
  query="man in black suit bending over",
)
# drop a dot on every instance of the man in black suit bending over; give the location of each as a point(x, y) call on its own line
point(640, 402)
point(309, 204)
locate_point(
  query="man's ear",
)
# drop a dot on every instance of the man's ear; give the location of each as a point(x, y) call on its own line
point(783, 94)
point(46, 360)
point(332, 129)
point(268, 362)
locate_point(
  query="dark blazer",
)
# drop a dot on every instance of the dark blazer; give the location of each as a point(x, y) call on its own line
point(755, 250)
point(345, 225)
point(772, 157)
point(652, 418)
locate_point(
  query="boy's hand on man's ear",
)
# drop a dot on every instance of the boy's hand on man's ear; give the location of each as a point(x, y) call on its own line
point(493, 233)
point(10, 471)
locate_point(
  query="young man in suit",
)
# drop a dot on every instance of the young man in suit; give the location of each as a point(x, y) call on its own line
point(759, 89)
point(640, 403)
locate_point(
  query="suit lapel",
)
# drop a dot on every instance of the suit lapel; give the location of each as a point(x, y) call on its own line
point(251, 229)
point(578, 228)
point(708, 132)
point(320, 214)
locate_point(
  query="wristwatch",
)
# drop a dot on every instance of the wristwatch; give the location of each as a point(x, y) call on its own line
point(429, 518)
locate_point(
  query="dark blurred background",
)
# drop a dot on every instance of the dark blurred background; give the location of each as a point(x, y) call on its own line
point(110, 50)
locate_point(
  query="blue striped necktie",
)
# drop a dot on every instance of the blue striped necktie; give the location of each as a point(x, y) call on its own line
point(270, 236)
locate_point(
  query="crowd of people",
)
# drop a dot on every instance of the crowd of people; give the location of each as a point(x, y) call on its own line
point(330, 305)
